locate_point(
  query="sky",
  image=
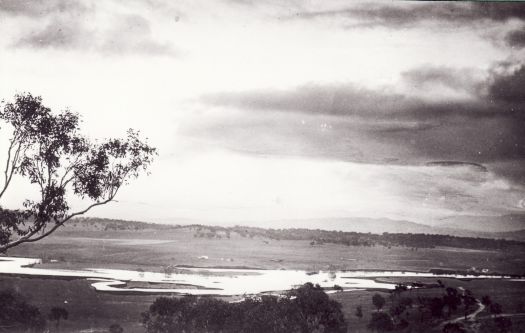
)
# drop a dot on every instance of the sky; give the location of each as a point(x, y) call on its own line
point(272, 110)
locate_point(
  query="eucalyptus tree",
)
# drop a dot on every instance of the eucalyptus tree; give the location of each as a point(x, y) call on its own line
point(49, 150)
point(56, 314)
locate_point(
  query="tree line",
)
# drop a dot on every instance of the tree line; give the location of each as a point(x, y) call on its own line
point(350, 238)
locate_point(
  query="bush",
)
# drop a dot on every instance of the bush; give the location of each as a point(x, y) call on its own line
point(381, 322)
point(306, 309)
point(17, 315)
point(379, 301)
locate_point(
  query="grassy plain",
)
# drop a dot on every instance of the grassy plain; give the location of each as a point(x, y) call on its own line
point(152, 250)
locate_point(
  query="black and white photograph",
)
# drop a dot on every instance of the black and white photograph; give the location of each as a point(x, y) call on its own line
point(262, 166)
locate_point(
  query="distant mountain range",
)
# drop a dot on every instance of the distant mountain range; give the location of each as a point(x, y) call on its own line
point(504, 223)
point(508, 226)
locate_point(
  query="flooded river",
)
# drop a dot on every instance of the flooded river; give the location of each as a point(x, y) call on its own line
point(216, 281)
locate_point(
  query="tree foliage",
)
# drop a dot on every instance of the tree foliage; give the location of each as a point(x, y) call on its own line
point(381, 322)
point(49, 150)
point(378, 301)
point(16, 315)
point(359, 311)
point(468, 302)
point(306, 309)
point(57, 313)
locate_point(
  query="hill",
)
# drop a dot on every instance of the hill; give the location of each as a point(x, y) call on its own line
point(315, 236)
point(358, 225)
point(497, 224)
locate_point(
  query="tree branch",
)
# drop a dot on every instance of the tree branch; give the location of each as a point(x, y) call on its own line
point(63, 180)
point(28, 238)
point(10, 162)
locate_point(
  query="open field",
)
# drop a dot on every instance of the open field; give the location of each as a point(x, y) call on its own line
point(151, 250)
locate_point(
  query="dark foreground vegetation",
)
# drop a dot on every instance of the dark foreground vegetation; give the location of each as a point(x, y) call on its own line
point(308, 308)
point(454, 311)
point(305, 309)
point(18, 315)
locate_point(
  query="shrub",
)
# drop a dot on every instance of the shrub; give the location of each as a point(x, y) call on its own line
point(306, 309)
point(17, 315)
point(381, 322)
point(379, 301)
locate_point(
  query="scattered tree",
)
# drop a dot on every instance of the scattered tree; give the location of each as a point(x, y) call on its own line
point(452, 299)
point(436, 306)
point(495, 309)
point(378, 301)
point(168, 271)
point(49, 151)
point(56, 314)
point(399, 288)
point(468, 302)
point(381, 322)
point(359, 312)
point(486, 301)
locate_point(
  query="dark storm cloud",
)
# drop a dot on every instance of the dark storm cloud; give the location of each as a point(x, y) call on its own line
point(356, 124)
point(509, 87)
point(516, 38)
point(476, 166)
point(349, 100)
point(410, 13)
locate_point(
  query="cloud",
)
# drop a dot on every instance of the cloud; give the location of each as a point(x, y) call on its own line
point(65, 26)
point(348, 100)
point(431, 77)
point(57, 34)
point(41, 8)
point(507, 87)
point(516, 38)
point(476, 166)
point(133, 34)
point(350, 123)
point(409, 14)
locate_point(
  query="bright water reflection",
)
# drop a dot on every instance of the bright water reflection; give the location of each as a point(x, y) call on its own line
point(216, 281)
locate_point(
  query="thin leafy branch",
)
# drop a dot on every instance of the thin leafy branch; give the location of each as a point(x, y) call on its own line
point(49, 150)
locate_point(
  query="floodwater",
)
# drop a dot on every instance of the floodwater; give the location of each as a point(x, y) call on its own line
point(218, 281)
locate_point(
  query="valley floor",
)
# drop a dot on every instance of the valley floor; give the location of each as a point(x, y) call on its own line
point(154, 250)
